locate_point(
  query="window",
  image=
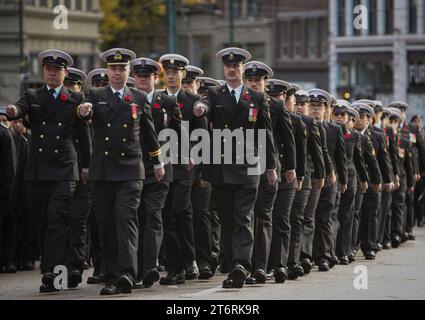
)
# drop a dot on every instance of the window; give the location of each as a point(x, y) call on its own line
point(311, 36)
point(389, 17)
point(67, 4)
point(258, 50)
point(373, 18)
point(323, 37)
point(413, 9)
point(43, 3)
point(253, 8)
point(79, 5)
point(55, 3)
point(283, 40)
point(296, 39)
point(341, 18)
point(356, 31)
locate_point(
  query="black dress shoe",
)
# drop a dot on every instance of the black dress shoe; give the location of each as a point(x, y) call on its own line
point(307, 265)
point(95, 279)
point(323, 265)
point(45, 288)
point(124, 284)
point(395, 241)
point(192, 271)
point(205, 273)
point(380, 246)
point(292, 273)
point(404, 237)
point(48, 279)
point(28, 266)
point(411, 237)
point(74, 278)
point(370, 255)
point(173, 279)
point(260, 276)
point(238, 275)
point(351, 258)
point(109, 290)
point(280, 275)
point(86, 265)
point(227, 284)
point(10, 268)
point(386, 245)
point(250, 280)
point(299, 271)
point(151, 277)
point(344, 261)
point(142, 285)
point(333, 262)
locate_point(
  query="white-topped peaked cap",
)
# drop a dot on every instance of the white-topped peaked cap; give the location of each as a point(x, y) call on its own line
point(234, 55)
point(118, 56)
point(257, 69)
point(174, 61)
point(145, 66)
point(55, 57)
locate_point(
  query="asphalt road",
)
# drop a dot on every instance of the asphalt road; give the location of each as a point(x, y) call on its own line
point(395, 274)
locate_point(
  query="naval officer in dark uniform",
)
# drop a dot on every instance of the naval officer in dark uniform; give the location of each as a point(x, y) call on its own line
point(122, 123)
point(52, 167)
point(235, 183)
point(166, 114)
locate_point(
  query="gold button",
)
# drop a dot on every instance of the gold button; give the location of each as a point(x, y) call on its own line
point(41, 136)
point(125, 125)
point(58, 138)
point(122, 154)
point(226, 126)
point(281, 155)
point(56, 151)
point(107, 139)
point(124, 140)
point(59, 124)
point(40, 150)
point(108, 124)
point(43, 123)
point(106, 153)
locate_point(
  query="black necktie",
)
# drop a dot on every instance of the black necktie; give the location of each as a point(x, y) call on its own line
point(117, 96)
point(52, 93)
point(233, 93)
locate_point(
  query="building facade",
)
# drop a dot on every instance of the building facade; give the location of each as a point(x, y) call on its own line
point(74, 29)
point(385, 59)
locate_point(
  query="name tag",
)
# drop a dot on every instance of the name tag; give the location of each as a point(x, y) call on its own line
point(218, 106)
point(35, 105)
point(102, 102)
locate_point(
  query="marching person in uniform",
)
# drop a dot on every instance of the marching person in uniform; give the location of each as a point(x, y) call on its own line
point(234, 107)
point(122, 123)
point(81, 202)
point(98, 78)
point(165, 114)
point(345, 116)
point(178, 212)
point(276, 198)
point(52, 167)
point(190, 83)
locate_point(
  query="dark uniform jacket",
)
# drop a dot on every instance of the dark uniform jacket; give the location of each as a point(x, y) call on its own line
point(379, 141)
point(52, 154)
point(406, 155)
point(336, 147)
point(119, 129)
point(316, 161)
point(289, 138)
point(251, 112)
point(166, 114)
point(371, 162)
point(392, 141)
point(7, 162)
point(185, 102)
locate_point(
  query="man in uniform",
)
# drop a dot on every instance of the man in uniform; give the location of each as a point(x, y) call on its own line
point(234, 107)
point(190, 83)
point(98, 78)
point(52, 166)
point(178, 219)
point(165, 114)
point(279, 198)
point(122, 123)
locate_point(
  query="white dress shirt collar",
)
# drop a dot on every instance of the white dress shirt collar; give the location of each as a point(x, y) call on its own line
point(238, 91)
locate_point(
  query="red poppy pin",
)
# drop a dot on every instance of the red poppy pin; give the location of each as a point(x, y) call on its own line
point(64, 97)
point(127, 98)
point(347, 135)
point(245, 96)
point(180, 105)
point(156, 105)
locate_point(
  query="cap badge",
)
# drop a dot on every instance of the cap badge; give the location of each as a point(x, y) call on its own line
point(231, 56)
point(254, 68)
point(55, 56)
point(172, 61)
point(143, 63)
point(118, 56)
point(272, 86)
